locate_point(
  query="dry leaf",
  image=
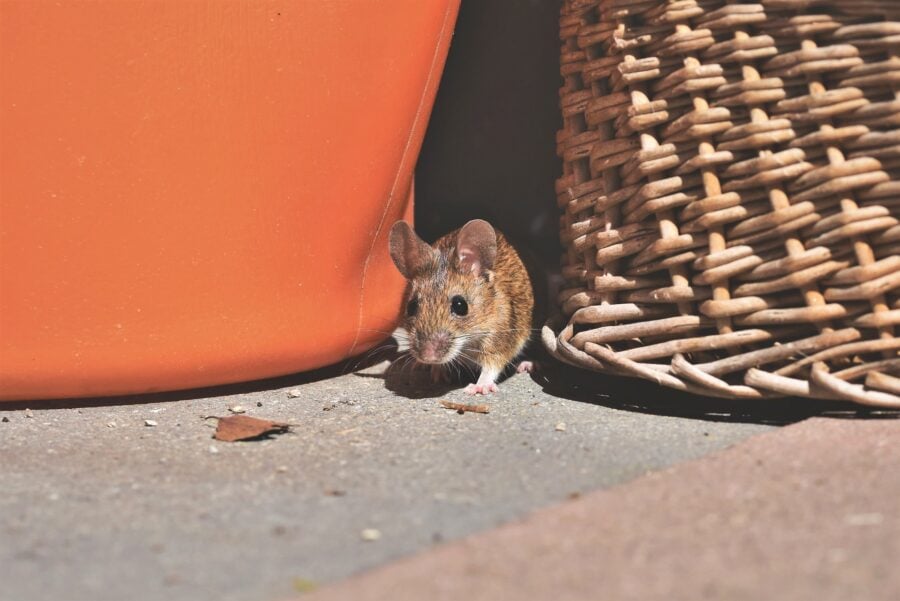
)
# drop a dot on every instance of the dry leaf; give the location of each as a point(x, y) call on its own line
point(462, 408)
point(244, 427)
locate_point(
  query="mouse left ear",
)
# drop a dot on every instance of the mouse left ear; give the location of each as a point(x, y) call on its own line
point(476, 247)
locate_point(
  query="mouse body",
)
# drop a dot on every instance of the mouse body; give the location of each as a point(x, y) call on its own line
point(469, 300)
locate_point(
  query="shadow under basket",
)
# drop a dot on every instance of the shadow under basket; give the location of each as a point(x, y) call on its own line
point(730, 195)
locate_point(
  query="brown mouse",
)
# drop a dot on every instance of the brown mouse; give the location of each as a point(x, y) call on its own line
point(469, 300)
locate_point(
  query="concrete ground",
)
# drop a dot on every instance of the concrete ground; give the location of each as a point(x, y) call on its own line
point(95, 504)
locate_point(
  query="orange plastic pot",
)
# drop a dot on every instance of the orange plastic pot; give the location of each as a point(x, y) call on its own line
point(197, 193)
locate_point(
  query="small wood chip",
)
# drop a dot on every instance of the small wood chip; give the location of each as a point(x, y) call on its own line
point(370, 534)
point(244, 427)
point(462, 407)
point(150, 423)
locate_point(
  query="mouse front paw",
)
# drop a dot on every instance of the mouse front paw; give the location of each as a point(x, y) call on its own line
point(525, 367)
point(484, 389)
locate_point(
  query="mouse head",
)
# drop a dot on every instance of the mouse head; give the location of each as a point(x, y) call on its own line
point(451, 300)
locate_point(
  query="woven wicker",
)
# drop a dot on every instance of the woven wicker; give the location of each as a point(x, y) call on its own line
point(730, 195)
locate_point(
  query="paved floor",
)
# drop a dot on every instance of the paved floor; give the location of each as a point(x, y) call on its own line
point(809, 512)
point(95, 504)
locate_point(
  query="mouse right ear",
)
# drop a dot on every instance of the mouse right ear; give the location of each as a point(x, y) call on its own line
point(409, 252)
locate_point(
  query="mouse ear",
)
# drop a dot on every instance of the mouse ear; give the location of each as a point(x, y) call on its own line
point(476, 247)
point(409, 252)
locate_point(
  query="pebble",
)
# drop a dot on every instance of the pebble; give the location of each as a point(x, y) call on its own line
point(281, 469)
point(29, 413)
point(5, 419)
point(213, 449)
point(110, 424)
point(561, 427)
point(237, 409)
point(293, 394)
point(370, 534)
point(150, 423)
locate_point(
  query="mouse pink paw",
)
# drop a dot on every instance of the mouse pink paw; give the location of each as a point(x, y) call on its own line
point(474, 389)
point(525, 367)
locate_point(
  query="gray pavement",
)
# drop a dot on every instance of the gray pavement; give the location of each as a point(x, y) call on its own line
point(96, 505)
point(808, 512)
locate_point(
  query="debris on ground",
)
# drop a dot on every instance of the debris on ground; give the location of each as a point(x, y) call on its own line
point(150, 423)
point(335, 492)
point(5, 419)
point(237, 409)
point(29, 413)
point(244, 427)
point(304, 585)
point(294, 393)
point(370, 534)
point(561, 427)
point(463, 408)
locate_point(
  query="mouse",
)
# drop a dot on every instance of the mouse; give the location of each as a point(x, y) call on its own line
point(469, 301)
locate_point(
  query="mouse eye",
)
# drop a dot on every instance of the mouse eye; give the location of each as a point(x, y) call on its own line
point(459, 306)
point(412, 307)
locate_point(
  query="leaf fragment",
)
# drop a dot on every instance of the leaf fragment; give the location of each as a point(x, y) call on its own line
point(244, 427)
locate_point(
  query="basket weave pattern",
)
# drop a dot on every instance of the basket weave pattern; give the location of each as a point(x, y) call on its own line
point(731, 193)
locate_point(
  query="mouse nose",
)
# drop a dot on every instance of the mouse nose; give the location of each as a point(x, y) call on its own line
point(434, 348)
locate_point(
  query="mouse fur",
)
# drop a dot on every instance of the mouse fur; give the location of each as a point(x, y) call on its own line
point(469, 299)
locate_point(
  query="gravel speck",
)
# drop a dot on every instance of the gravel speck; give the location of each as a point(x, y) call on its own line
point(150, 423)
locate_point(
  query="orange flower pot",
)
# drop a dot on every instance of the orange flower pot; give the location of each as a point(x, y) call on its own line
point(198, 193)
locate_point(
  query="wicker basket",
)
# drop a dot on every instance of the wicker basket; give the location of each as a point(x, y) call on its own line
point(730, 195)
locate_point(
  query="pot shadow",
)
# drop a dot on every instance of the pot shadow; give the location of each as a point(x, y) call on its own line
point(360, 362)
point(642, 396)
